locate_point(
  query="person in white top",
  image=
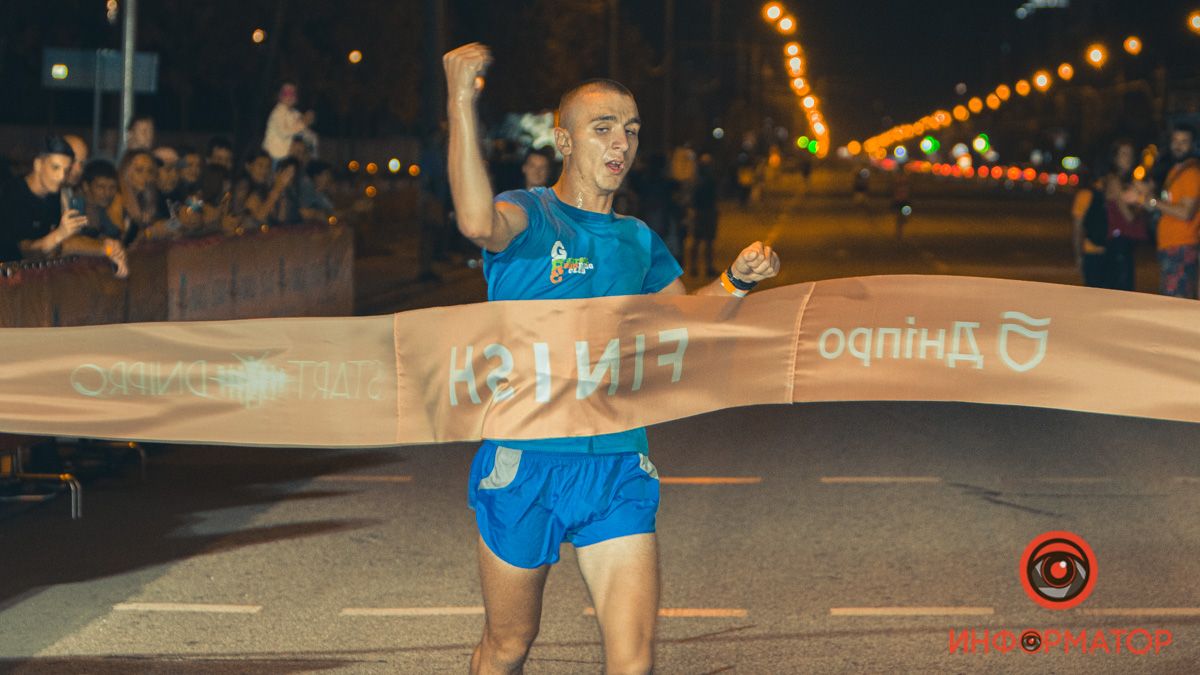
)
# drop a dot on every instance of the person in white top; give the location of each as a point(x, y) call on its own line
point(286, 122)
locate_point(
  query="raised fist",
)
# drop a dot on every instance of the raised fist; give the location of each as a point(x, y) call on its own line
point(756, 262)
point(465, 68)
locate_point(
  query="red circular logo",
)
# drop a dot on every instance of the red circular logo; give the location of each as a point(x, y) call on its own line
point(1058, 570)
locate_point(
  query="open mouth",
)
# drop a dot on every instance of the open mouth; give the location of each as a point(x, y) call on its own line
point(615, 167)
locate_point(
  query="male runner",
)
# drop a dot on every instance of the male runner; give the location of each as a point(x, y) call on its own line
point(600, 493)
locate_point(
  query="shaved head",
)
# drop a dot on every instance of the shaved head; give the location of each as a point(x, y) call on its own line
point(567, 108)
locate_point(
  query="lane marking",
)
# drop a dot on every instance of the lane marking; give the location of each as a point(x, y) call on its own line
point(412, 611)
point(365, 478)
point(186, 607)
point(690, 612)
point(911, 611)
point(710, 480)
point(880, 479)
point(1143, 611)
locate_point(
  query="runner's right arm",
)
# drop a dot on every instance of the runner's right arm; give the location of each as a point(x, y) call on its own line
point(488, 224)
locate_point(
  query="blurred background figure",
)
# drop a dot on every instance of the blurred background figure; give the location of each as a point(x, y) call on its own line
point(285, 123)
point(704, 224)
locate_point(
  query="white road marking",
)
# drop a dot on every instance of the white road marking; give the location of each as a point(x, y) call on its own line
point(412, 611)
point(911, 611)
point(186, 607)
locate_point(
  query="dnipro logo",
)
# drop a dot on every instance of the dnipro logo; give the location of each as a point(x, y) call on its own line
point(1058, 570)
point(560, 264)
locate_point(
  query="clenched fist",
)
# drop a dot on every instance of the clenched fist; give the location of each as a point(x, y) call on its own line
point(465, 68)
point(755, 263)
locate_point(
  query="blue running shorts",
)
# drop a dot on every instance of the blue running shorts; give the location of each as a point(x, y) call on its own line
point(528, 503)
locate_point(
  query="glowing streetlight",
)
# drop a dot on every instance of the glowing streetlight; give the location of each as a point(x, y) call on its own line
point(993, 101)
point(1041, 80)
point(1097, 55)
point(258, 36)
point(1003, 92)
point(1022, 87)
point(975, 105)
point(1194, 22)
point(394, 165)
point(795, 66)
point(1133, 45)
point(792, 49)
point(800, 86)
point(854, 147)
point(960, 113)
point(354, 56)
point(772, 11)
point(1066, 71)
point(786, 25)
point(809, 102)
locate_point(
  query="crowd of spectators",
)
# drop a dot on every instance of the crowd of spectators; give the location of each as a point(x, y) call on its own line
point(67, 203)
point(1137, 202)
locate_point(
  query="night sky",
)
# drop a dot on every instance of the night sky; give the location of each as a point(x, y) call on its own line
point(873, 63)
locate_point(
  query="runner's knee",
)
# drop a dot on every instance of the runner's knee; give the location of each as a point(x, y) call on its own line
point(509, 644)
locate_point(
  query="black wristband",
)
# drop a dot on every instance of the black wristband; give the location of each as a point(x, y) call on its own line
point(738, 283)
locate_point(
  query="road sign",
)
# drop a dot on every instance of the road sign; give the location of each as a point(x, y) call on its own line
point(91, 70)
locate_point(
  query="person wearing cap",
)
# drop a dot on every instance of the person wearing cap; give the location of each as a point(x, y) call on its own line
point(285, 123)
point(33, 222)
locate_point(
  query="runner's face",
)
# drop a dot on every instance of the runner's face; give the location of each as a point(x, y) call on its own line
point(604, 136)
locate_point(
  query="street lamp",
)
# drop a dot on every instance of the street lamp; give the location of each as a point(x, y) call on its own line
point(993, 101)
point(1133, 45)
point(975, 105)
point(1003, 92)
point(1066, 71)
point(1097, 55)
point(792, 49)
point(960, 113)
point(772, 11)
point(1022, 87)
point(1041, 80)
point(796, 66)
point(354, 56)
point(787, 25)
point(1194, 22)
point(258, 36)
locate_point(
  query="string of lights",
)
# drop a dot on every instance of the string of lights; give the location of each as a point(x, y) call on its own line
point(796, 64)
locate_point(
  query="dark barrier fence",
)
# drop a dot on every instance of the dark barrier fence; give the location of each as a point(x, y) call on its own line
point(286, 271)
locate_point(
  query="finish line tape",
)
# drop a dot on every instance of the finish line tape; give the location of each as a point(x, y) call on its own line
point(551, 368)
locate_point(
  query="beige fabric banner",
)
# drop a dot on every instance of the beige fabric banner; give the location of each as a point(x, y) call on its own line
point(539, 369)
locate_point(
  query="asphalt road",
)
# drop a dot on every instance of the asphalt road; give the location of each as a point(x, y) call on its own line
point(812, 538)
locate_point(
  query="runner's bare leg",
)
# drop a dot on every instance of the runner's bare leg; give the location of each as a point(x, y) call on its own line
point(622, 576)
point(512, 602)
